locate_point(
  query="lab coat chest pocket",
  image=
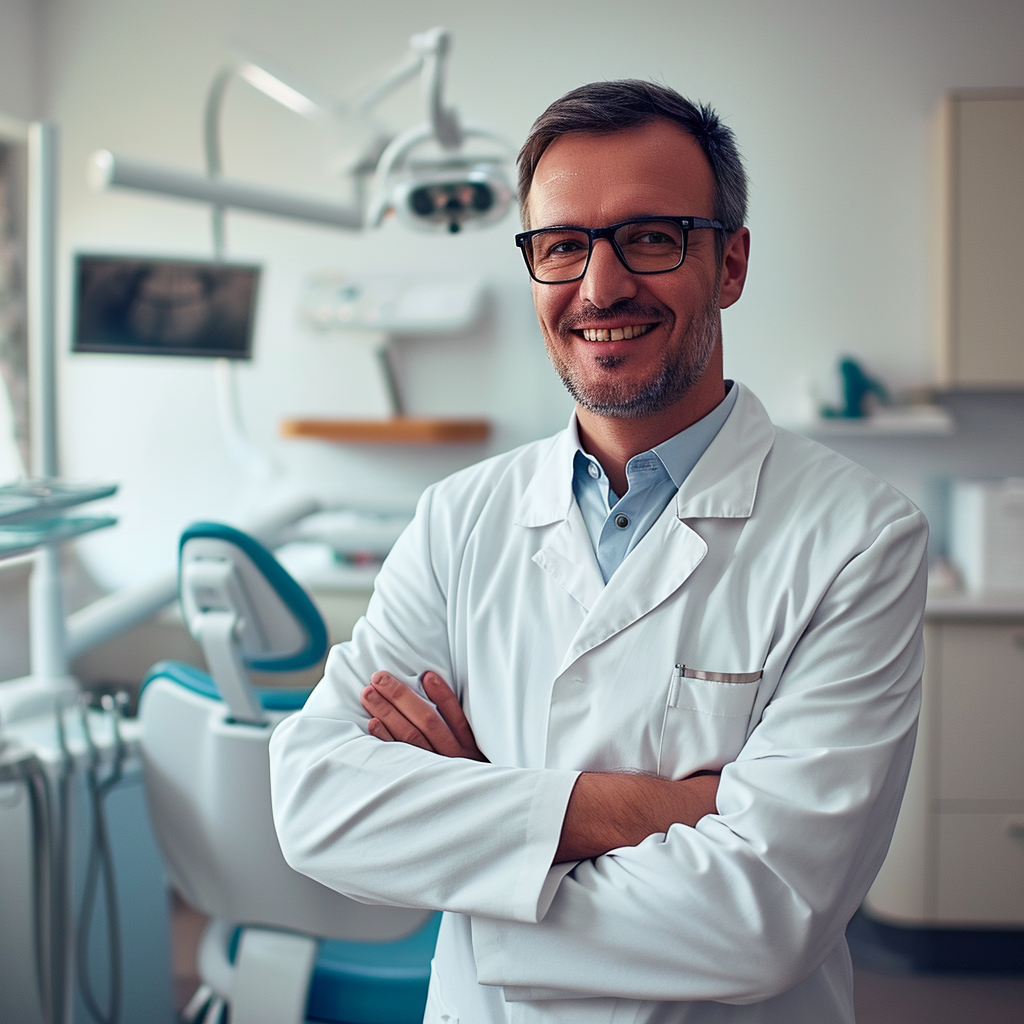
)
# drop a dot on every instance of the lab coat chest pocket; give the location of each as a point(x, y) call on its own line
point(706, 720)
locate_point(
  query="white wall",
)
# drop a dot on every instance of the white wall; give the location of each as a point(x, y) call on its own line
point(20, 80)
point(832, 104)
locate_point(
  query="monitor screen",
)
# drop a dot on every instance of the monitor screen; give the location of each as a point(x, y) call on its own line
point(165, 307)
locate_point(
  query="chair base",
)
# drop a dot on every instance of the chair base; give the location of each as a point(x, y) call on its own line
point(273, 977)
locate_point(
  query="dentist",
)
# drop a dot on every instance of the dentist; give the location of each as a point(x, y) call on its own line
point(634, 705)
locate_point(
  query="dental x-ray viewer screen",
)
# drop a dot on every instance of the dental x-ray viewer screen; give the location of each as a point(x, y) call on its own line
point(137, 305)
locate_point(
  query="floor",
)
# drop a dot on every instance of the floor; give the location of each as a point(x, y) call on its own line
point(881, 996)
point(187, 927)
point(937, 999)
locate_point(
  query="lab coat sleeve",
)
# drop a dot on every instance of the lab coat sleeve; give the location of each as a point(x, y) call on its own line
point(391, 823)
point(751, 901)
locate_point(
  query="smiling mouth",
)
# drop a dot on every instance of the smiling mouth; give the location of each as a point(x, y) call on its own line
point(615, 333)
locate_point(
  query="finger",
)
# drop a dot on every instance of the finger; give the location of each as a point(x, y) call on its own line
point(450, 709)
point(397, 725)
point(375, 727)
point(421, 715)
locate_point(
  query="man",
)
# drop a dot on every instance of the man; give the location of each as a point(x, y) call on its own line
point(604, 621)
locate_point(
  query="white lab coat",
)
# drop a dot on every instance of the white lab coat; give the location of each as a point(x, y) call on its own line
point(768, 625)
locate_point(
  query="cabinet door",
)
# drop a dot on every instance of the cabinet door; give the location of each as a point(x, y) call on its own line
point(980, 869)
point(985, 286)
point(904, 891)
point(981, 713)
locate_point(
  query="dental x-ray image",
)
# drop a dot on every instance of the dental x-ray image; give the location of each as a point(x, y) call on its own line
point(146, 306)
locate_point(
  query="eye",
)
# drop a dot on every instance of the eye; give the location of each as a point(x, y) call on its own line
point(560, 246)
point(647, 234)
point(566, 245)
point(652, 238)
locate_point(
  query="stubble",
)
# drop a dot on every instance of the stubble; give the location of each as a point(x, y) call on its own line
point(680, 370)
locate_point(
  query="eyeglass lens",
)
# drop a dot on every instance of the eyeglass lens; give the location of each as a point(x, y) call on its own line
point(560, 254)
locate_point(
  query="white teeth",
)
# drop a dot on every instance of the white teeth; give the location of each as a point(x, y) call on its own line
point(615, 333)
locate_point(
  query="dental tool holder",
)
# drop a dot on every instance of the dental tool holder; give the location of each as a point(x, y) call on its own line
point(76, 737)
point(32, 513)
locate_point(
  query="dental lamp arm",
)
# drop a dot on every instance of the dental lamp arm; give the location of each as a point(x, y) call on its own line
point(408, 69)
point(435, 44)
point(106, 170)
point(428, 53)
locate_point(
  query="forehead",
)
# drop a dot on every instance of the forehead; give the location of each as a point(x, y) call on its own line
point(593, 180)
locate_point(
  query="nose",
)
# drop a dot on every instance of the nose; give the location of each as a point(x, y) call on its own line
point(606, 281)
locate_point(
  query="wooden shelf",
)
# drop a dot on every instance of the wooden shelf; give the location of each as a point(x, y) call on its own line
point(397, 430)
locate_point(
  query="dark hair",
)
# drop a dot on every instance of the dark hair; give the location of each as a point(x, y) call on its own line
point(602, 108)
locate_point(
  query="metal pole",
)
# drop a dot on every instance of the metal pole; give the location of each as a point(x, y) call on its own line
point(46, 595)
point(42, 305)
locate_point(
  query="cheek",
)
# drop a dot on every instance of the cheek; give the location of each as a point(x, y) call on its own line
point(550, 304)
point(681, 302)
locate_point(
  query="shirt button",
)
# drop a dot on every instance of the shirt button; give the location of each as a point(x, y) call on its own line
point(621, 521)
point(593, 470)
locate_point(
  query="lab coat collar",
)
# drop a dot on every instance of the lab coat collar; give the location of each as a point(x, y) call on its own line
point(548, 497)
point(723, 484)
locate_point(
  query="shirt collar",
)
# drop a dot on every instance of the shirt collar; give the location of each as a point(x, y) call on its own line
point(726, 488)
point(681, 452)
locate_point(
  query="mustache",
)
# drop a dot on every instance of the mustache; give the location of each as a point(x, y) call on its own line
point(588, 315)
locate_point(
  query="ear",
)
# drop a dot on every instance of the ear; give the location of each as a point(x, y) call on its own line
point(734, 267)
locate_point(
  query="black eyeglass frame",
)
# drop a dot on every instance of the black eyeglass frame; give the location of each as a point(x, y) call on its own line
point(686, 225)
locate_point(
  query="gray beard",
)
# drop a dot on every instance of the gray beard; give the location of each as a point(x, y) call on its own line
point(678, 375)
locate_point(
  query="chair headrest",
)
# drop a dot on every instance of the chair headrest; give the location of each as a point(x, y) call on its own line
point(221, 568)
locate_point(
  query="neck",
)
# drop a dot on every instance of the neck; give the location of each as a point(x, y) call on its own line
point(613, 441)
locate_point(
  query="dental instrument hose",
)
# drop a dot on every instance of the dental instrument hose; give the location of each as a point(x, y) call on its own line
point(33, 775)
point(101, 867)
point(60, 882)
point(48, 816)
point(30, 770)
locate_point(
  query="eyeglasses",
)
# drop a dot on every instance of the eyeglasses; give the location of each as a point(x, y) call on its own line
point(647, 245)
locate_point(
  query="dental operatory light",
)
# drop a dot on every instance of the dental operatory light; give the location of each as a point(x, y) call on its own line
point(445, 174)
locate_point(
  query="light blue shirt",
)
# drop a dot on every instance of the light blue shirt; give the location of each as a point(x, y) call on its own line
point(616, 524)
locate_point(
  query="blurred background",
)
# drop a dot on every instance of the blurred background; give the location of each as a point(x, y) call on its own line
point(870, 243)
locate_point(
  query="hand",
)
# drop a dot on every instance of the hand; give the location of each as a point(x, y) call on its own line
point(399, 714)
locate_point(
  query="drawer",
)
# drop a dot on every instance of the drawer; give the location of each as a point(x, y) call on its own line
point(980, 675)
point(980, 869)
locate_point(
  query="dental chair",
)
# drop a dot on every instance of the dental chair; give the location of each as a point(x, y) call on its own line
point(280, 948)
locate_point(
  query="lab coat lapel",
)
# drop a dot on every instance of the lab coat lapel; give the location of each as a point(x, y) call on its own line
point(568, 556)
point(723, 485)
point(566, 552)
point(658, 566)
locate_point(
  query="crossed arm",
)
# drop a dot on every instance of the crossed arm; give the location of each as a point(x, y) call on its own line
point(606, 810)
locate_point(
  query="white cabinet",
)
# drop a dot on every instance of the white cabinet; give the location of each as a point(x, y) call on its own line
point(982, 222)
point(957, 858)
